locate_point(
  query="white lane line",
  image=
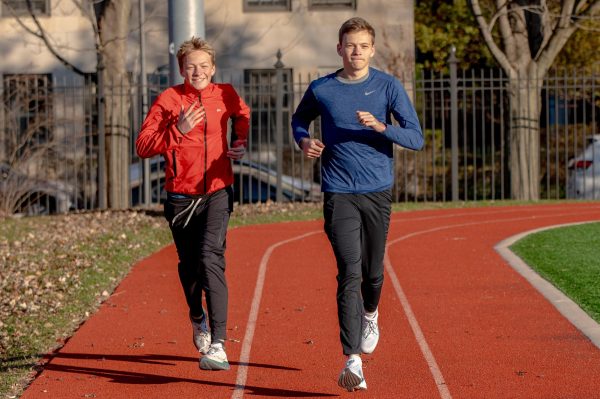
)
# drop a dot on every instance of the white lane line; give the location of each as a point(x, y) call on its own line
point(420, 337)
point(421, 341)
point(568, 308)
point(242, 374)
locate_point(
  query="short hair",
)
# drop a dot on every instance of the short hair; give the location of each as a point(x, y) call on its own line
point(194, 44)
point(356, 24)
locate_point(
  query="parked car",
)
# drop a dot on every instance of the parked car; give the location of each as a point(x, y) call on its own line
point(253, 182)
point(583, 180)
point(31, 195)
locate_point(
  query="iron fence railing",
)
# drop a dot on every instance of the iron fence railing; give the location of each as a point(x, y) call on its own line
point(49, 141)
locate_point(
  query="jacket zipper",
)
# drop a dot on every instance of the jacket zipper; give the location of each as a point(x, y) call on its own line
point(205, 145)
point(174, 165)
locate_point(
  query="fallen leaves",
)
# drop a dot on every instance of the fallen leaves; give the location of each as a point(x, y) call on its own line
point(42, 261)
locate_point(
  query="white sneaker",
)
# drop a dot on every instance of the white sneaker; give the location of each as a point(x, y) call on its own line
point(201, 334)
point(351, 378)
point(215, 358)
point(369, 333)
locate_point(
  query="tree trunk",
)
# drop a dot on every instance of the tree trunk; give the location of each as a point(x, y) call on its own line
point(525, 99)
point(113, 35)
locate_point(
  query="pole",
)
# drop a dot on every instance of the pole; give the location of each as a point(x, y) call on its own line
point(279, 124)
point(186, 19)
point(101, 134)
point(454, 121)
point(143, 78)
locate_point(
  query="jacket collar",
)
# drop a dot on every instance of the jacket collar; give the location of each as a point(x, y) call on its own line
point(188, 89)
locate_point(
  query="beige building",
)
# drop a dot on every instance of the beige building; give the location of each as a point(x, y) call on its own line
point(246, 33)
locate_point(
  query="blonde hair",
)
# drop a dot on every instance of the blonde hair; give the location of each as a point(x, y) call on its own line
point(194, 44)
point(356, 24)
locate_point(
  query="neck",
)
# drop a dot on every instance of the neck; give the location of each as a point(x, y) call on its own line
point(353, 74)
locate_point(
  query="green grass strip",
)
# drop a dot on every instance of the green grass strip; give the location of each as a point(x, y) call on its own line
point(568, 257)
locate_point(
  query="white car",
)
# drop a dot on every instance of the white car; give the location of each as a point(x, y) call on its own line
point(584, 172)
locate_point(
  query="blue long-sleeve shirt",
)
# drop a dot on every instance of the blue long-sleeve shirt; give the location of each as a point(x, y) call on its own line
point(357, 159)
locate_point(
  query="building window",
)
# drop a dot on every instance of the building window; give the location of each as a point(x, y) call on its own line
point(331, 4)
point(19, 7)
point(267, 5)
point(27, 111)
point(261, 95)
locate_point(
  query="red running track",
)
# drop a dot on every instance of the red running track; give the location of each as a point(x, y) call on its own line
point(456, 320)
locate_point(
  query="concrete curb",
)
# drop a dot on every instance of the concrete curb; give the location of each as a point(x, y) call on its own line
point(569, 309)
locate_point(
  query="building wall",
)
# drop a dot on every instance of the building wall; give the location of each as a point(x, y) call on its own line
point(307, 38)
point(243, 40)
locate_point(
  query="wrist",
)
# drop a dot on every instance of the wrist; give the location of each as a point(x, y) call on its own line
point(179, 129)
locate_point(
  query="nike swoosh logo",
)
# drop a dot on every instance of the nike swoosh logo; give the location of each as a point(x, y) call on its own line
point(368, 93)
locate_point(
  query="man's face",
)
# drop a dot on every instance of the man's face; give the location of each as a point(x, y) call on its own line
point(197, 69)
point(356, 50)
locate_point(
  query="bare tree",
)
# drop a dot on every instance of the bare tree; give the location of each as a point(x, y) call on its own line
point(525, 37)
point(109, 21)
point(35, 159)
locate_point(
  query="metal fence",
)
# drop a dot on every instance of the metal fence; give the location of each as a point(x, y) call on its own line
point(49, 142)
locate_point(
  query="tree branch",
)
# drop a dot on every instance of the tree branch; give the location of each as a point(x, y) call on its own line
point(489, 40)
point(41, 34)
point(562, 33)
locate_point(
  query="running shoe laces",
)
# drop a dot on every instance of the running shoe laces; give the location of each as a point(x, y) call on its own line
point(201, 334)
point(370, 333)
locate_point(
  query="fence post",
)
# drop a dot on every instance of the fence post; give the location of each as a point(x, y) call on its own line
point(101, 100)
point(279, 124)
point(144, 97)
point(452, 61)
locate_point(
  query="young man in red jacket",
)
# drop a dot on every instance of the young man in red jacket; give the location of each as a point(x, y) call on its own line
point(187, 125)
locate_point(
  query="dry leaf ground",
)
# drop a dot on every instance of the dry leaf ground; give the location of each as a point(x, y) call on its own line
point(56, 270)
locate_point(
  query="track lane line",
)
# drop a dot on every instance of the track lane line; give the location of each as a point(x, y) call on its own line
point(242, 374)
point(419, 336)
point(414, 325)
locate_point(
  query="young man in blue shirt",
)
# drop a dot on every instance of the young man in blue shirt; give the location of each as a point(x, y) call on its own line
point(356, 104)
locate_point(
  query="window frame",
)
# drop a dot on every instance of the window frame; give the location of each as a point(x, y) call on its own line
point(324, 5)
point(23, 12)
point(262, 103)
point(266, 7)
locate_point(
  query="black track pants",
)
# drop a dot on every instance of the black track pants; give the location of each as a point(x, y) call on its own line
point(357, 227)
point(201, 250)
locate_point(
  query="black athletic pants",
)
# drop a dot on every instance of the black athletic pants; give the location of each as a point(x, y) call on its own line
point(357, 227)
point(201, 250)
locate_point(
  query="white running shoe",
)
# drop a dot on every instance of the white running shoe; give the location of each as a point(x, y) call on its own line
point(201, 334)
point(351, 378)
point(370, 333)
point(215, 358)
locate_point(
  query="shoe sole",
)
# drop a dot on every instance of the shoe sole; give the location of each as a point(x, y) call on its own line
point(349, 381)
point(208, 364)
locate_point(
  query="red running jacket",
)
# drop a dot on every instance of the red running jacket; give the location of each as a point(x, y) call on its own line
point(195, 163)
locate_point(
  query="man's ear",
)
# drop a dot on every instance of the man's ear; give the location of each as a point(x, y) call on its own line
point(339, 49)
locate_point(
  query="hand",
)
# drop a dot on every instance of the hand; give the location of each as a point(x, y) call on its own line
point(312, 148)
point(368, 120)
point(189, 118)
point(237, 150)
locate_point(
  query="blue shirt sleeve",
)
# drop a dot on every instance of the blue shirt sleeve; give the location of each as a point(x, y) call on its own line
point(307, 111)
point(408, 132)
